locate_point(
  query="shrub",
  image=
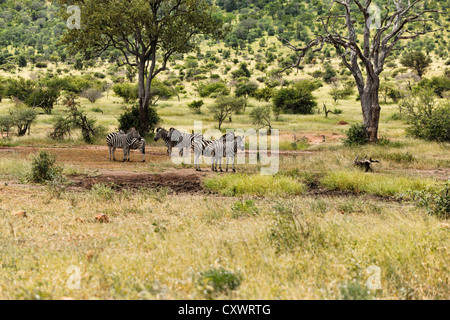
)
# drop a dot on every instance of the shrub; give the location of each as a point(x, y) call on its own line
point(41, 65)
point(23, 117)
point(297, 101)
point(215, 281)
point(61, 128)
point(126, 91)
point(219, 88)
point(195, 106)
point(130, 119)
point(283, 234)
point(91, 94)
point(436, 202)
point(241, 209)
point(356, 134)
point(429, 119)
point(43, 168)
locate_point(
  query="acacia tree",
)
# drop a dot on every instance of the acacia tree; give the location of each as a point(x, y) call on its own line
point(399, 20)
point(146, 32)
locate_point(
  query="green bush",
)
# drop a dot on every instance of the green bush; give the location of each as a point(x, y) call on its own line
point(436, 202)
point(242, 209)
point(356, 134)
point(429, 118)
point(219, 88)
point(43, 168)
point(216, 281)
point(195, 106)
point(130, 119)
point(297, 101)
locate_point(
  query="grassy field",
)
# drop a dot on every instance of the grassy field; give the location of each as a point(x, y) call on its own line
point(315, 230)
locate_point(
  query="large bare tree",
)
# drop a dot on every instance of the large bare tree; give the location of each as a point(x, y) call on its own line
point(382, 32)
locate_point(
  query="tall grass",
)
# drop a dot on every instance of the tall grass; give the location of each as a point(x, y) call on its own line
point(375, 183)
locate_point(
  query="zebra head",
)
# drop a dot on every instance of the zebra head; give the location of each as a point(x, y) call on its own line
point(161, 133)
point(240, 144)
point(134, 134)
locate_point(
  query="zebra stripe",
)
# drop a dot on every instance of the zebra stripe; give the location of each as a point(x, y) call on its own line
point(199, 145)
point(163, 134)
point(138, 144)
point(124, 141)
point(224, 147)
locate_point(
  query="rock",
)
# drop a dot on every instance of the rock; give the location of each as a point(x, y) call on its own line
point(102, 218)
point(21, 214)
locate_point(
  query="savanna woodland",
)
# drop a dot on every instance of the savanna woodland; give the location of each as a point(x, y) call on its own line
point(352, 97)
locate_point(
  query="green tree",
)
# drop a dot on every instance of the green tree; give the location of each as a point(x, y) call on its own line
point(417, 61)
point(22, 61)
point(245, 90)
point(261, 117)
point(290, 100)
point(128, 92)
point(224, 107)
point(141, 30)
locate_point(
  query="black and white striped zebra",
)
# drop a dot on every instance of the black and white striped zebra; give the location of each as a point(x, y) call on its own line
point(199, 145)
point(163, 134)
point(183, 141)
point(124, 141)
point(225, 147)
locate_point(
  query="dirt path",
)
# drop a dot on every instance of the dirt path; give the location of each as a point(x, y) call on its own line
point(178, 181)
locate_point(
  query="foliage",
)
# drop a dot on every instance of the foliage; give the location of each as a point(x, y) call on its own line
point(214, 88)
point(223, 107)
point(215, 281)
point(356, 134)
point(43, 168)
point(417, 61)
point(429, 119)
point(91, 94)
point(244, 209)
point(439, 85)
point(195, 106)
point(435, 201)
point(43, 98)
point(261, 117)
point(130, 119)
point(23, 117)
point(128, 92)
point(297, 101)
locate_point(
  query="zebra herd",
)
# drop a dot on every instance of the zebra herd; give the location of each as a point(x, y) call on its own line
point(226, 146)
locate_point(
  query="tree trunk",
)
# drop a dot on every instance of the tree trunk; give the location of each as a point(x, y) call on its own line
point(370, 106)
point(144, 101)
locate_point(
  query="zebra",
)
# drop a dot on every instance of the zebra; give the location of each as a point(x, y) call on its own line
point(183, 141)
point(199, 146)
point(123, 140)
point(225, 147)
point(162, 133)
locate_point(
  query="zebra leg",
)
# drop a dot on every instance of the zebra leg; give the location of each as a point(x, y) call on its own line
point(114, 153)
point(227, 163)
point(125, 153)
point(143, 156)
point(109, 148)
point(233, 159)
point(220, 160)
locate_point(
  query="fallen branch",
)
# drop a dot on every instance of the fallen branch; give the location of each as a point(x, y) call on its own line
point(365, 163)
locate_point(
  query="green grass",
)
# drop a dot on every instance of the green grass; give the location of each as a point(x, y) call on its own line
point(374, 183)
point(255, 185)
